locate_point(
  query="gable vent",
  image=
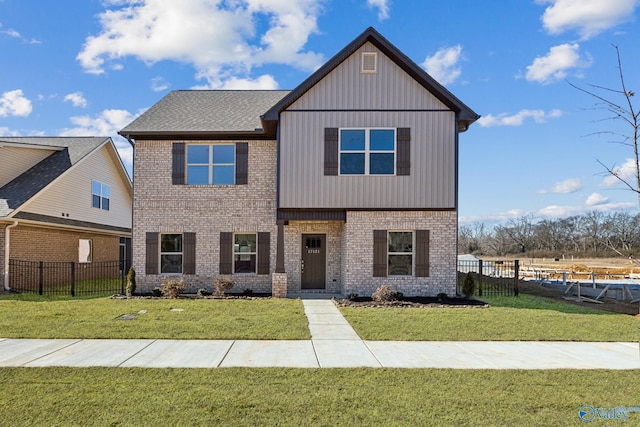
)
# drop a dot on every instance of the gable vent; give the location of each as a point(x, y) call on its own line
point(369, 62)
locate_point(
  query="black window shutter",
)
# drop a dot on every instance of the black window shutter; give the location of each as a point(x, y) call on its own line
point(379, 253)
point(422, 253)
point(242, 163)
point(226, 252)
point(403, 159)
point(331, 151)
point(264, 255)
point(177, 171)
point(189, 254)
point(152, 255)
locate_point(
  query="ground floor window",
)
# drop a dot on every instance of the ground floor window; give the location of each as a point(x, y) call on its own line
point(85, 250)
point(171, 253)
point(245, 253)
point(400, 253)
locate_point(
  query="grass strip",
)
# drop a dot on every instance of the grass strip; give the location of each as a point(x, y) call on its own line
point(278, 319)
point(522, 318)
point(311, 397)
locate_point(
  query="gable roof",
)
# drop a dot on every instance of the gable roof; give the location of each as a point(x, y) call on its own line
point(465, 115)
point(71, 150)
point(198, 113)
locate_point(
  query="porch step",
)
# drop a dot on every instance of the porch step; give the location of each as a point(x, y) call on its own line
point(314, 295)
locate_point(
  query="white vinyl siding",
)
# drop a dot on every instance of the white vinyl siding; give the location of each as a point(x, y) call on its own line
point(16, 161)
point(71, 193)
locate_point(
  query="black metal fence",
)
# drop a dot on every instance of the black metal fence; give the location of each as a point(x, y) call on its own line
point(492, 277)
point(67, 278)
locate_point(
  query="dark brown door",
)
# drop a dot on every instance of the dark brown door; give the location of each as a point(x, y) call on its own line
point(314, 260)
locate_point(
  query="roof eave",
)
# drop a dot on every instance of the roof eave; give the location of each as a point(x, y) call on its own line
point(194, 135)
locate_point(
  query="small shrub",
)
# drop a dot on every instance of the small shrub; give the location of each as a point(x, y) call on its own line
point(383, 294)
point(442, 296)
point(222, 285)
point(248, 292)
point(172, 288)
point(468, 285)
point(156, 292)
point(131, 282)
point(397, 296)
point(352, 296)
point(202, 292)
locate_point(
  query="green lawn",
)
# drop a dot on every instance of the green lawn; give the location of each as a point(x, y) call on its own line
point(522, 318)
point(311, 397)
point(39, 317)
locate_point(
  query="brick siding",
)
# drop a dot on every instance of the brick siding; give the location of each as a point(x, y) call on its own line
point(161, 207)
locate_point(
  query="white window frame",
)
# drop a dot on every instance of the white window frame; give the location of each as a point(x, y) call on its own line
point(412, 253)
point(367, 150)
point(239, 252)
point(210, 164)
point(365, 70)
point(104, 189)
point(161, 253)
point(85, 256)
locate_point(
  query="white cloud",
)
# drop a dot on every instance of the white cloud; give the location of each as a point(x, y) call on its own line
point(555, 65)
point(158, 84)
point(383, 8)
point(596, 199)
point(221, 40)
point(107, 123)
point(588, 17)
point(13, 103)
point(16, 35)
point(626, 172)
point(564, 187)
point(265, 82)
point(76, 99)
point(504, 119)
point(444, 65)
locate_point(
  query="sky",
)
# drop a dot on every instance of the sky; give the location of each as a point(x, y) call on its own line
point(89, 67)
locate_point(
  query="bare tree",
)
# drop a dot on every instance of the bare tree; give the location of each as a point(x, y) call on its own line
point(620, 109)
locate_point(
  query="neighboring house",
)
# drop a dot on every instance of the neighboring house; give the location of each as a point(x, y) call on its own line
point(343, 184)
point(63, 199)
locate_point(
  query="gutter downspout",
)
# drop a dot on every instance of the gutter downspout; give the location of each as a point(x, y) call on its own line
point(7, 235)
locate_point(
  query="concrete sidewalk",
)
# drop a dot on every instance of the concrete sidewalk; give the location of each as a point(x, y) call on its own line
point(333, 344)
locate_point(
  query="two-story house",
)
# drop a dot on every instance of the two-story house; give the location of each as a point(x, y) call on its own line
point(343, 184)
point(63, 199)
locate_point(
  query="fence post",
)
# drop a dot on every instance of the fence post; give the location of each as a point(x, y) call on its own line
point(40, 277)
point(73, 279)
point(516, 277)
point(479, 277)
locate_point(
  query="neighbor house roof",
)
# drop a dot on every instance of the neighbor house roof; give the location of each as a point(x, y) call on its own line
point(200, 113)
point(465, 115)
point(70, 150)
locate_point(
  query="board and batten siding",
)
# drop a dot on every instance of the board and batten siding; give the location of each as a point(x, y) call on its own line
point(71, 193)
point(345, 98)
point(431, 184)
point(390, 88)
point(14, 161)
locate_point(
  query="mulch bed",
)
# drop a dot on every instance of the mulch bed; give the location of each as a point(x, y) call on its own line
point(413, 302)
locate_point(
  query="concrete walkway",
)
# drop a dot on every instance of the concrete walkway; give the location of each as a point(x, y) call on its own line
point(333, 344)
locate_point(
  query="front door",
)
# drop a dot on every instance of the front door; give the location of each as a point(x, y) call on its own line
point(314, 260)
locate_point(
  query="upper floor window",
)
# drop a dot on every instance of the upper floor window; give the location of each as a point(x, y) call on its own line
point(211, 164)
point(368, 151)
point(100, 194)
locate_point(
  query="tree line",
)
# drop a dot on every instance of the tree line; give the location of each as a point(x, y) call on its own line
point(595, 234)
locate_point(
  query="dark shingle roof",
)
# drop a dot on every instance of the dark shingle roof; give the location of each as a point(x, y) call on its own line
point(16, 192)
point(206, 111)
